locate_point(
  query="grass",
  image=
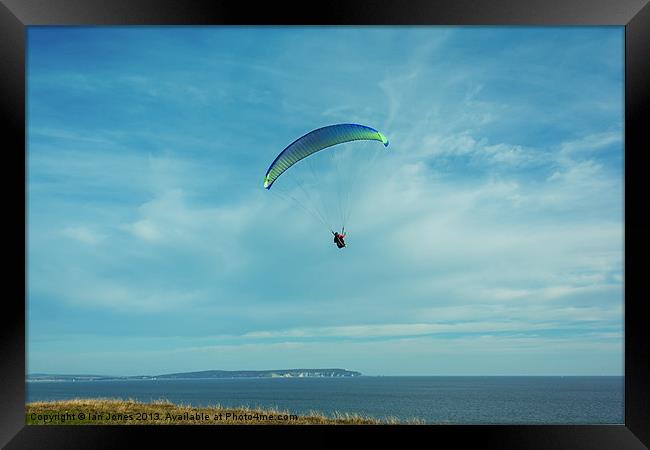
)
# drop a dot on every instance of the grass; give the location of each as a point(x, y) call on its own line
point(107, 411)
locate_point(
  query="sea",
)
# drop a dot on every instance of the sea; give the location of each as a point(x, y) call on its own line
point(416, 399)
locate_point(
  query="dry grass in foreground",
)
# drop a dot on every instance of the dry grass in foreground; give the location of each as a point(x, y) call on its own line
point(162, 412)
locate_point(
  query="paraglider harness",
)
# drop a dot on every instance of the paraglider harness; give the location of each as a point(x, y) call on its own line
point(338, 238)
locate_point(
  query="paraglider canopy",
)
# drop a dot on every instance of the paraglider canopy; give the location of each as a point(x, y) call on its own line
point(317, 140)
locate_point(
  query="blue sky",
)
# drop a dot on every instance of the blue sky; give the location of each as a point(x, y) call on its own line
point(491, 243)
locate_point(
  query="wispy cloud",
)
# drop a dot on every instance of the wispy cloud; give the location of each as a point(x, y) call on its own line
point(389, 330)
point(83, 234)
point(593, 142)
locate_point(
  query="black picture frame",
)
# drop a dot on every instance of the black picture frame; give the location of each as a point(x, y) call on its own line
point(16, 15)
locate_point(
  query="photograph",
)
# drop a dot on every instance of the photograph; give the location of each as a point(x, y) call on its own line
point(321, 225)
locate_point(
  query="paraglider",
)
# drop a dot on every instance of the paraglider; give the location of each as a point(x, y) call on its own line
point(339, 238)
point(310, 144)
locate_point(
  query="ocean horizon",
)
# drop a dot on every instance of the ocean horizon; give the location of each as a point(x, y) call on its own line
point(429, 399)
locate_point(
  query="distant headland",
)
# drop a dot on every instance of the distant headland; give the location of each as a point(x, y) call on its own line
point(206, 374)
